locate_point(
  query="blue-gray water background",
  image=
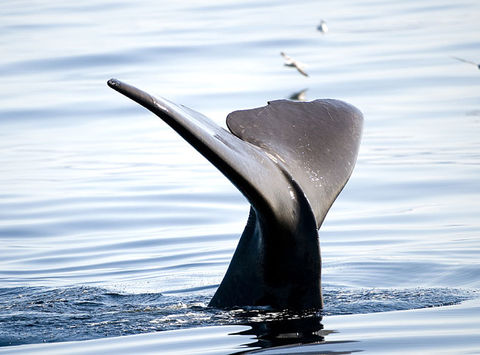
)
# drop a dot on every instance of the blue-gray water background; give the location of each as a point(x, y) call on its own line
point(110, 224)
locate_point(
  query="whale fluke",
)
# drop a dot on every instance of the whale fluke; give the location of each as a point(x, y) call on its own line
point(290, 160)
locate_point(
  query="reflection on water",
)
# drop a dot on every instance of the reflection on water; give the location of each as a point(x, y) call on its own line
point(286, 331)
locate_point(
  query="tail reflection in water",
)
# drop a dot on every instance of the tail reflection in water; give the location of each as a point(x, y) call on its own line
point(283, 331)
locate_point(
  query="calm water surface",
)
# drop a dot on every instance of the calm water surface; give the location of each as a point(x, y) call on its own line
point(110, 224)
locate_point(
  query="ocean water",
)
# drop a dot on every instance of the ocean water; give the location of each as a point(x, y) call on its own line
point(112, 225)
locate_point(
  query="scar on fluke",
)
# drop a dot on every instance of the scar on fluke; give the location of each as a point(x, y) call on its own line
point(290, 160)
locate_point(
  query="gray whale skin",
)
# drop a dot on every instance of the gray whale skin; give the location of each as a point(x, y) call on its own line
point(290, 160)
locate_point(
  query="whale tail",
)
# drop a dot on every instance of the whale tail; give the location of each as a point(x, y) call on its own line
point(290, 160)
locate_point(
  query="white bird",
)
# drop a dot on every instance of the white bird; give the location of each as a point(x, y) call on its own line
point(290, 62)
point(322, 27)
point(299, 96)
point(467, 61)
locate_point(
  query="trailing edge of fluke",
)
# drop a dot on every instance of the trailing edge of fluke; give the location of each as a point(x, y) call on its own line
point(290, 160)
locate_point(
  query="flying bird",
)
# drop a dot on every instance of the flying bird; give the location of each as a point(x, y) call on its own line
point(299, 96)
point(290, 62)
point(467, 61)
point(322, 27)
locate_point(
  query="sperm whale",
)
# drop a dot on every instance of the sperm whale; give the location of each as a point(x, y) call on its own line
point(290, 160)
